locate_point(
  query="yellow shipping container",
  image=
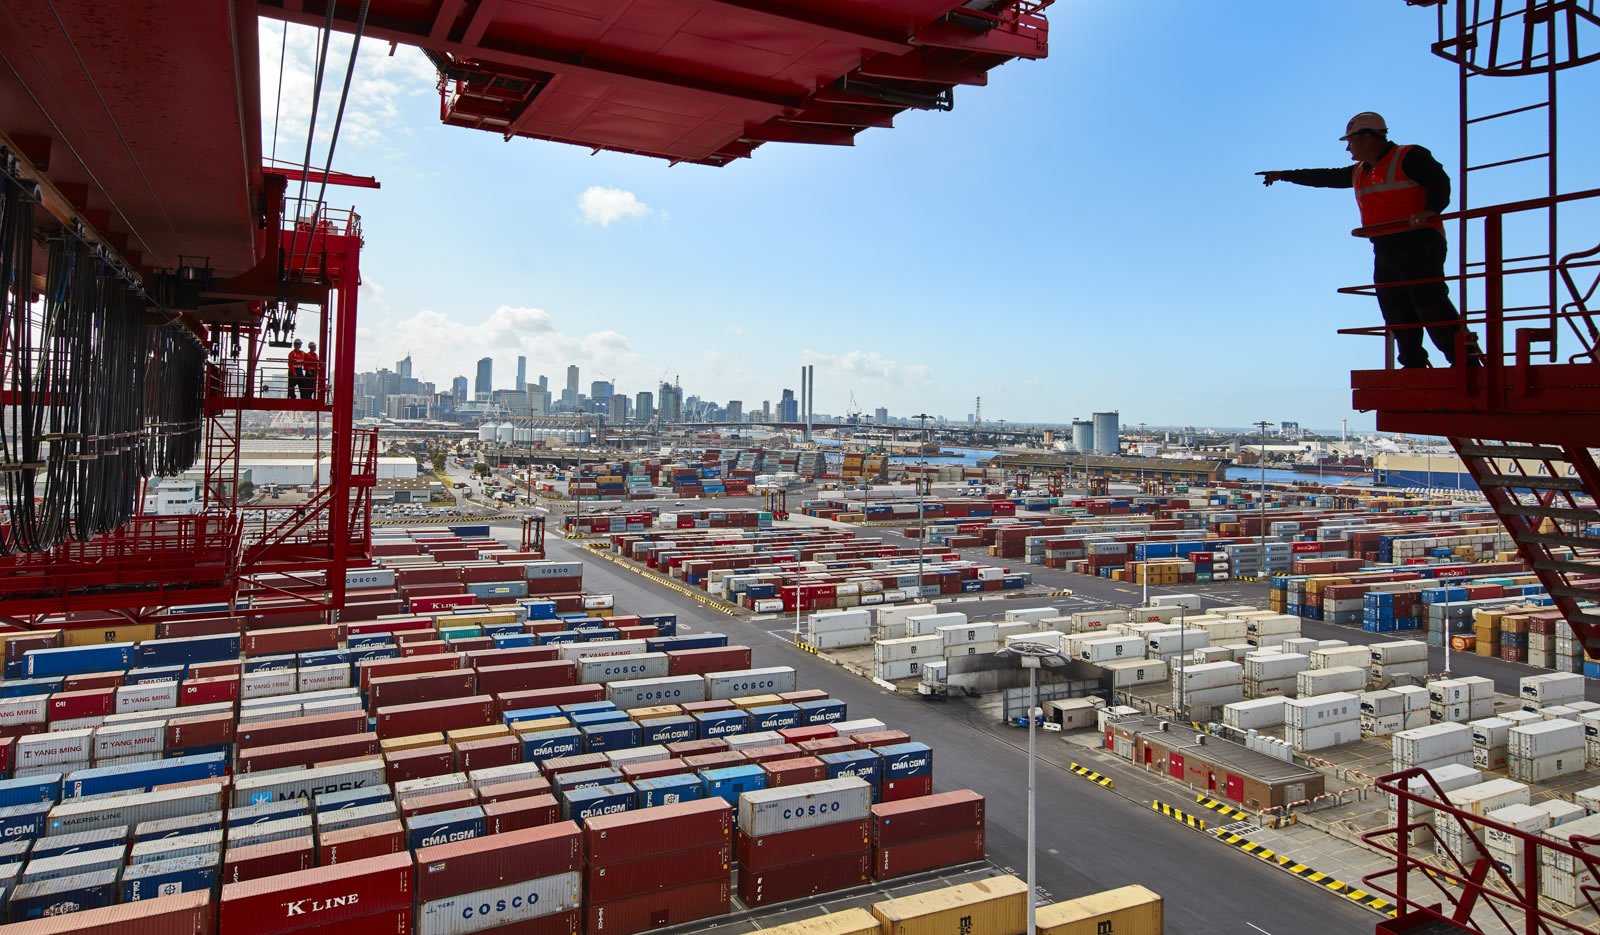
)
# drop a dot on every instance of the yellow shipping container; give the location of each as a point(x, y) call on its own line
point(464, 734)
point(665, 710)
point(996, 906)
point(411, 742)
point(88, 636)
point(848, 922)
point(541, 725)
point(756, 701)
point(1127, 910)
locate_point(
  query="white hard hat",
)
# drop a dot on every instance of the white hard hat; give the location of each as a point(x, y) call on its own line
point(1366, 120)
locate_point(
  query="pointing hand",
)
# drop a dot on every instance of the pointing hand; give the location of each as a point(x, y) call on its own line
point(1267, 178)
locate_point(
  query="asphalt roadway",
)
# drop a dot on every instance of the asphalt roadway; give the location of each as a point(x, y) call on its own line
point(1089, 838)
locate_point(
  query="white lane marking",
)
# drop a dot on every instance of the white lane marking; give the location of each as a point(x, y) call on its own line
point(1258, 928)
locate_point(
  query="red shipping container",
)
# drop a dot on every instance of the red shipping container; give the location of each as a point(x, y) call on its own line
point(896, 789)
point(557, 765)
point(209, 691)
point(795, 771)
point(516, 789)
point(523, 655)
point(797, 847)
point(425, 648)
point(546, 697)
point(360, 843)
point(829, 745)
point(500, 679)
point(268, 860)
point(472, 643)
point(804, 694)
point(651, 874)
point(19, 645)
point(657, 910)
point(302, 729)
point(634, 772)
point(917, 856)
point(781, 751)
point(881, 738)
point(384, 668)
point(685, 748)
point(712, 659)
point(284, 755)
point(799, 735)
point(929, 816)
point(696, 707)
point(638, 633)
point(419, 763)
point(421, 635)
point(8, 750)
point(422, 605)
point(314, 898)
point(490, 751)
point(210, 670)
point(418, 687)
point(704, 761)
point(516, 814)
point(431, 716)
point(91, 681)
point(183, 914)
point(437, 802)
point(388, 922)
point(446, 870)
point(290, 640)
point(366, 608)
point(393, 625)
point(837, 872)
point(202, 730)
point(96, 702)
point(642, 833)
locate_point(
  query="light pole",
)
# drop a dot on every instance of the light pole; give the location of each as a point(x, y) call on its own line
point(922, 529)
point(1032, 655)
point(1262, 494)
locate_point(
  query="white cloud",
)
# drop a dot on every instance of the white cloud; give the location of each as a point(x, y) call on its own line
point(445, 347)
point(601, 205)
point(868, 366)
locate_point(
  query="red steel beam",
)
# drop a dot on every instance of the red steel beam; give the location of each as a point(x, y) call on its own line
point(316, 176)
point(918, 68)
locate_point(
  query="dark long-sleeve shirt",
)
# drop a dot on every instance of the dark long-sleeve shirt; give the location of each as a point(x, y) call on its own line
point(1419, 165)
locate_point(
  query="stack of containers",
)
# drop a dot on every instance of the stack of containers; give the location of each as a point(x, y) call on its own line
point(1432, 747)
point(1562, 877)
point(530, 878)
point(996, 906)
point(836, 629)
point(1547, 750)
point(905, 657)
point(1509, 851)
point(795, 841)
point(970, 639)
point(1269, 673)
point(913, 835)
point(1208, 685)
point(1591, 736)
point(1400, 662)
point(1461, 837)
point(1313, 682)
point(1255, 714)
point(1491, 742)
point(1388, 711)
point(1555, 688)
point(1460, 700)
point(1447, 778)
point(1269, 630)
point(656, 866)
point(1323, 721)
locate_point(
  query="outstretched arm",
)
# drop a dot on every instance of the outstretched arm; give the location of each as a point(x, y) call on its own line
point(1315, 178)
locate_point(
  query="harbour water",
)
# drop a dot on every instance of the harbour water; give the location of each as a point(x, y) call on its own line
point(1280, 476)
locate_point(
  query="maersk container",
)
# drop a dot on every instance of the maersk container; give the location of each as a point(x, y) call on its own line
point(664, 730)
point(742, 682)
point(203, 842)
point(110, 811)
point(74, 863)
point(597, 800)
point(32, 789)
point(598, 738)
point(459, 824)
point(24, 822)
point(648, 692)
point(66, 895)
point(304, 784)
point(774, 717)
point(905, 760)
point(101, 780)
point(157, 878)
point(501, 906)
point(187, 649)
point(350, 798)
point(551, 743)
point(721, 723)
point(807, 805)
point(81, 841)
point(730, 782)
point(75, 660)
point(669, 790)
point(177, 827)
point(821, 711)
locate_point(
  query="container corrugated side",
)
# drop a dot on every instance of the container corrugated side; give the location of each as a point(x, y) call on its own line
point(500, 906)
point(848, 922)
point(1126, 910)
point(996, 906)
point(807, 805)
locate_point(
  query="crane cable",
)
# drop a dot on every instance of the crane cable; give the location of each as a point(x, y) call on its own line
point(321, 65)
point(338, 119)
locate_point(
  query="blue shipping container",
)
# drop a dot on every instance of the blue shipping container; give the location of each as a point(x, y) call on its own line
point(821, 711)
point(551, 743)
point(665, 730)
point(76, 660)
point(587, 779)
point(196, 873)
point(862, 764)
point(64, 895)
point(458, 824)
point(530, 714)
point(178, 827)
point(774, 717)
point(722, 723)
point(188, 649)
point(905, 760)
point(44, 788)
point(581, 707)
point(149, 675)
point(591, 718)
point(100, 780)
point(667, 790)
point(597, 800)
point(598, 738)
point(23, 822)
point(730, 782)
point(351, 798)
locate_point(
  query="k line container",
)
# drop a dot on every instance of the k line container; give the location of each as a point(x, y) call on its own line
point(313, 898)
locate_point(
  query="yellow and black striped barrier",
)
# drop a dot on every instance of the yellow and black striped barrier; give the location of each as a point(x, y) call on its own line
point(442, 520)
point(1221, 808)
point(1250, 578)
point(1092, 776)
point(669, 583)
point(1359, 896)
point(1176, 814)
point(1058, 592)
point(804, 647)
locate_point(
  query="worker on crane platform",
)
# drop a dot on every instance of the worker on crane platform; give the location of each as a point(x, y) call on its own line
point(312, 365)
point(297, 369)
point(1402, 188)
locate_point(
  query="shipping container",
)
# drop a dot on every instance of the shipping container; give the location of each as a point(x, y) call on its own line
point(995, 906)
point(1127, 910)
point(771, 811)
point(453, 869)
point(658, 910)
point(313, 898)
point(508, 907)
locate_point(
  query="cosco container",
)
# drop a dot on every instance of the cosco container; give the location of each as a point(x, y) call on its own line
point(737, 684)
point(620, 668)
point(501, 906)
point(646, 692)
point(807, 805)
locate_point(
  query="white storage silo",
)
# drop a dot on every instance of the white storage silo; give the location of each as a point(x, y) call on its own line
point(506, 433)
point(583, 436)
point(1082, 436)
point(1106, 433)
point(486, 432)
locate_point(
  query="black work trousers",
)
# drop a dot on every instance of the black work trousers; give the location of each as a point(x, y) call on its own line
point(1417, 254)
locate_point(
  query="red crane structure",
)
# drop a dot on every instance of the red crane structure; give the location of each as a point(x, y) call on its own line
point(1523, 412)
point(148, 241)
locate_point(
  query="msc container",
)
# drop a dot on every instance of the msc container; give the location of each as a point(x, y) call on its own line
point(739, 683)
point(501, 906)
point(64, 895)
point(996, 906)
point(1126, 910)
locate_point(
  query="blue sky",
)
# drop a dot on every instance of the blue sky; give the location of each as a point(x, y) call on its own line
point(1085, 233)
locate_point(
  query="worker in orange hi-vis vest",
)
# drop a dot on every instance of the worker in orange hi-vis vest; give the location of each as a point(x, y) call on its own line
point(297, 370)
point(312, 365)
point(1406, 188)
